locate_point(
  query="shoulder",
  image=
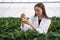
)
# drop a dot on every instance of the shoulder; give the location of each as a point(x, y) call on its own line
point(47, 20)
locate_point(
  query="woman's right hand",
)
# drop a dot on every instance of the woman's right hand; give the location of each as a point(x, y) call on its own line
point(22, 15)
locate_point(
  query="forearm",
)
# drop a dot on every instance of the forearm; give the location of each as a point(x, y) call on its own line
point(33, 26)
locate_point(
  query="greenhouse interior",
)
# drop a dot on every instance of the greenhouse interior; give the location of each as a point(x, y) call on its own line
point(10, 19)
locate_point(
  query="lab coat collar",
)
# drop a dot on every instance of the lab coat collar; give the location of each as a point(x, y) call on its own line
point(36, 21)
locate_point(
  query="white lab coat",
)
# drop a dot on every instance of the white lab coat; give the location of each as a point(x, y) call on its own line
point(42, 28)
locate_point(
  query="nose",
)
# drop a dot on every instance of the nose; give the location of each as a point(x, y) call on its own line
point(36, 12)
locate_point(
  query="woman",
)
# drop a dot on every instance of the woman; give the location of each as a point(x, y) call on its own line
point(39, 22)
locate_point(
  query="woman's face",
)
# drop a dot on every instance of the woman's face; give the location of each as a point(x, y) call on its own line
point(38, 11)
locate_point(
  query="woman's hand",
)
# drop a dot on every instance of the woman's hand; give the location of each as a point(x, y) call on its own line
point(31, 24)
point(24, 20)
point(22, 16)
point(27, 22)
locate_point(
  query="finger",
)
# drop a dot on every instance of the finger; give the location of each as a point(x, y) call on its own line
point(22, 15)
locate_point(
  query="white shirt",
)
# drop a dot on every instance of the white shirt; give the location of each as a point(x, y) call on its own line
point(42, 28)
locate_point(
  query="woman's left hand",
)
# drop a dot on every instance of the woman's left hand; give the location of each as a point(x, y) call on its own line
point(30, 23)
point(27, 22)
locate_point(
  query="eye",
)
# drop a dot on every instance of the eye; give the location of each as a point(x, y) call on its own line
point(37, 10)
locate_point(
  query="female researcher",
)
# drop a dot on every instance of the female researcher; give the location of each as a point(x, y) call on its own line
point(39, 22)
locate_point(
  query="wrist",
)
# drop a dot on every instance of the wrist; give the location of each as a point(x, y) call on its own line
point(33, 26)
point(30, 24)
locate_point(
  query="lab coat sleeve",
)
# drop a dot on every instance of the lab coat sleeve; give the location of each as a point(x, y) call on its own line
point(26, 27)
point(44, 27)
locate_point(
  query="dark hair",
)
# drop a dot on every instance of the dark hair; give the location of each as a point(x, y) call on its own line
point(41, 5)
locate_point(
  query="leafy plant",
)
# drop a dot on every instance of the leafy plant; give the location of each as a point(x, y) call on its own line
point(10, 30)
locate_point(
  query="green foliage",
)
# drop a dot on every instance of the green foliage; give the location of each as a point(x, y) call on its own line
point(10, 30)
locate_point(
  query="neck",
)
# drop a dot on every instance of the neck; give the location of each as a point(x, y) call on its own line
point(40, 17)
